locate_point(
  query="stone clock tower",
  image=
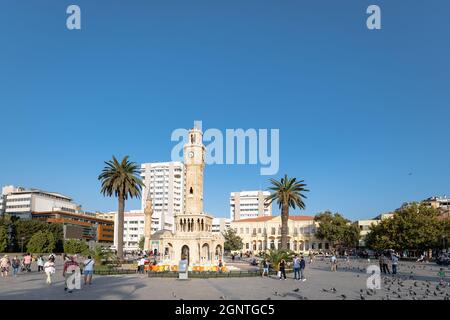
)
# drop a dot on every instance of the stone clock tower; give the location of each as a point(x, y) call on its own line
point(194, 160)
point(193, 238)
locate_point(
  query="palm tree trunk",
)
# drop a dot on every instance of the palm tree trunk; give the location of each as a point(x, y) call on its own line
point(120, 220)
point(284, 226)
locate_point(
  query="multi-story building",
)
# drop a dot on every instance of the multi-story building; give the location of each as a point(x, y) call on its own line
point(249, 204)
point(264, 233)
point(106, 215)
point(442, 204)
point(220, 225)
point(23, 202)
point(81, 226)
point(164, 184)
point(364, 229)
point(133, 229)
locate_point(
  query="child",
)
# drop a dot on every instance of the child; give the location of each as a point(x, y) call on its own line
point(441, 275)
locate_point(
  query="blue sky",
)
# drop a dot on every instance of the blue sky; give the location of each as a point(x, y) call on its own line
point(358, 110)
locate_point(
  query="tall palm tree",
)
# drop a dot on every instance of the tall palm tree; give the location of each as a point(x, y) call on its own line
point(288, 192)
point(122, 180)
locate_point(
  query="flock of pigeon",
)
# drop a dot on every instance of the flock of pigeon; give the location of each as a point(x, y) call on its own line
point(413, 282)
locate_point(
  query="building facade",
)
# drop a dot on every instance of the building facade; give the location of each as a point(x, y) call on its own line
point(249, 204)
point(21, 202)
point(364, 229)
point(133, 229)
point(80, 226)
point(220, 225)
point(264, 233)
point(164, 185)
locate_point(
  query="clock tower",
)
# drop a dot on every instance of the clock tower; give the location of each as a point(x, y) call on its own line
point(194, 160)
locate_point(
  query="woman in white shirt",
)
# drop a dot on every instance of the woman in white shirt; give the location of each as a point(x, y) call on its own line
point(49, 269)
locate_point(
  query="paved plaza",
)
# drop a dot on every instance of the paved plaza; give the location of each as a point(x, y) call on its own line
point(414, 281)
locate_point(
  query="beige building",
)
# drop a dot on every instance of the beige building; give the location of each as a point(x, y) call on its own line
point(364, 229)
point(220, 225)
point(106, 215)
point(193, 238)
point(249, 204)
point(264, 233)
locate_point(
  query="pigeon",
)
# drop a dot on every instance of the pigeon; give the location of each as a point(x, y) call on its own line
point(368, 292)
point(324, 290)
point(174, 295)
point(362, 297)
point(333, 289)
point(268, 298)
point(296, 290)
point(343, 296)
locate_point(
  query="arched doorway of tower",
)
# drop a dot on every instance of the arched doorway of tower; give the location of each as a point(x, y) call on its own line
point(185, 253)
point(205, 253)
point(219, 252)
point(168, 252)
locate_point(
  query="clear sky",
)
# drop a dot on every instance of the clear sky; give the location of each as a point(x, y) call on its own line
point(363, 115)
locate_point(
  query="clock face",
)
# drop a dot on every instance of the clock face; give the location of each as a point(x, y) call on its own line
point(191, 154)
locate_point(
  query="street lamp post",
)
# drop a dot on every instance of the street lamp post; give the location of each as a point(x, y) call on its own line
point(23, 238)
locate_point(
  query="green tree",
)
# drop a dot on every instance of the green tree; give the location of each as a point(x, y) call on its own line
point(101, 255)
point(27, 228)
point(76, 247)
point(275, 256)
point(41, 242)
point(288, 192)
point(413, 226)
point(232, 240)
point(141, 242)
point(3, 238)
point(122, 180)
point(336, 229)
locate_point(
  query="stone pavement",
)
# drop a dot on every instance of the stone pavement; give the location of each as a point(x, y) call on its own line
point(415, 281)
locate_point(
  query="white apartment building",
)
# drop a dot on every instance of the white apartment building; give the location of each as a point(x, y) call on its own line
point(22, 202)
point(164, 184)
point(249, 204)
point(133, 229)
point(220, 225)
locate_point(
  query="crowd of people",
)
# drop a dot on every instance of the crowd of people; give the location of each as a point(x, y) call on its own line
point(47, 266)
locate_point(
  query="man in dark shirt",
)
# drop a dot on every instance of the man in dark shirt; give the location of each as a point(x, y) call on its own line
point(68, 270)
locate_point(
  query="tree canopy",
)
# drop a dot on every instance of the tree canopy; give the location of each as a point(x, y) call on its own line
point(414, 226)
point(288, 193)
point(41, 242)
point(76, 247)
point(336, 229)
point(232, 240)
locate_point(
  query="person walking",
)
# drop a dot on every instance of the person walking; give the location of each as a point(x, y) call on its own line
point(311, 257)
point(88, 270)
point(5, 263)
point(40, 263)
point(385, 260)
point(142, 265)
point(282, 269)
point(333, 263)
point(296, 268)
point(302, 268)
point(15, 265)
point(27, 262)
point(394, 263)
point(380, 262)
point(69, 263)
point(49, 269)
point(265, 266)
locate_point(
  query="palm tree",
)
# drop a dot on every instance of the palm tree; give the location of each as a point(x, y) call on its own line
point(122, 180)
point(288, 193)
